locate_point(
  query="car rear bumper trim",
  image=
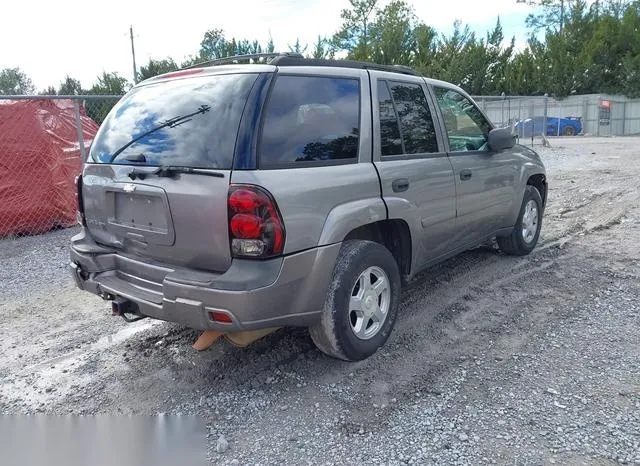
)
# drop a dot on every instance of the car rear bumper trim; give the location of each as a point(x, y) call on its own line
point(286, 291)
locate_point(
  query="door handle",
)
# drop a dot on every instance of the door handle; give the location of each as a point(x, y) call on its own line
point(465, 175)
point(400, 185)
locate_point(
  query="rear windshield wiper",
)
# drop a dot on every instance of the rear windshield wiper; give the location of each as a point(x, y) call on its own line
point(170, 123)
point(170, 172)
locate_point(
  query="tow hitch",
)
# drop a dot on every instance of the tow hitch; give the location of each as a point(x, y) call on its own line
point(121, 307)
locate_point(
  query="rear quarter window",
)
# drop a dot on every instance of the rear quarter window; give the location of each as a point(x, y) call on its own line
point(311, 119)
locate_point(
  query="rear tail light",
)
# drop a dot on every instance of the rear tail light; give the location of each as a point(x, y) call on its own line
point(80, 203)
point(255, 225)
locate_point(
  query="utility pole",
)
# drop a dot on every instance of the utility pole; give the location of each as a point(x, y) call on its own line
point(133, 56)
point(561, 15)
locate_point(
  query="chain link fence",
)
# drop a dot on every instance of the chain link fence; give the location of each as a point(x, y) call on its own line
point(45, 139)
point(587, 115)
point(43, 143)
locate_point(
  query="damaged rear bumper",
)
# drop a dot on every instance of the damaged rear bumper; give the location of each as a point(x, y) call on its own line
point(285, 291)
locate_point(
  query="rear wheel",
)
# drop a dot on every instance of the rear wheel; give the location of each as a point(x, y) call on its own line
point(525, 234)
point(361, 305)
point(569, 131)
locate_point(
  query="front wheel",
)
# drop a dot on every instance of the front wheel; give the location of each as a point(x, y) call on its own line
point(361, 305)
point(525, 234)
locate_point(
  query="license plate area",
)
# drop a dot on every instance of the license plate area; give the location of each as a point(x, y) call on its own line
point(142, 216)
point(140, 212)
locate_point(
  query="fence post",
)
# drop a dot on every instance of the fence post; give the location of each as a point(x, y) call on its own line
point(502, 117)
point(598, 117)
point(521, 127)
point(585, 115)
point(559, 117)
point(76, 108)
point(519, 108)
point(624, 118)
point(544, 121)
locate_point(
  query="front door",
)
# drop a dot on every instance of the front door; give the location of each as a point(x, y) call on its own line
point(415, 172)
point(485, 180)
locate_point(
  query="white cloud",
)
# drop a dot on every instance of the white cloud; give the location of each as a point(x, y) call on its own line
point(83, 39)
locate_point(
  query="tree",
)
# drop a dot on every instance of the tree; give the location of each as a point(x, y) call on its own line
point(424, 53)
point(453, 55)
point(191, 60)
point(322, 49)
point(629, 78)
point(110, 84)
point(13, 81)
point(106, 84)
point(392, 39)
point(246, 47)
point(496, 59)
point(156, 67)
point(297, 47)
point(270, 48)
point(215, 45)
point(70, 86)
point(523, 75)
point(552, 17)
point(353, 36)
point(48, 91)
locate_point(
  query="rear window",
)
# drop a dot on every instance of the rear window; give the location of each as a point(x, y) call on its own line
point(190, 122)
point(311, 119)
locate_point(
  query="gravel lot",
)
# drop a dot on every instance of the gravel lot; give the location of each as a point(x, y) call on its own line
point(494, 359)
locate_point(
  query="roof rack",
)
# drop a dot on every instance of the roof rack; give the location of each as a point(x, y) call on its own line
point(296, 59)
point(287, 60)
point(268, 58)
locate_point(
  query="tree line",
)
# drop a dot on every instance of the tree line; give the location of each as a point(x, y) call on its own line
point(573, 47)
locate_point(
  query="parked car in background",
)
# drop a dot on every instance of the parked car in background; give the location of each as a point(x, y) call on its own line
point(567, 126)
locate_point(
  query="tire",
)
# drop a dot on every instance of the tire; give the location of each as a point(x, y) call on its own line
point(524, 237)
point(569, 131)
point(343, 332)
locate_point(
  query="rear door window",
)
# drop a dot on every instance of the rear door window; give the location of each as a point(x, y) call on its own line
point(390, 139)
point(311, 119)
point(406, 124)
point(416, 124)
point(190, 122)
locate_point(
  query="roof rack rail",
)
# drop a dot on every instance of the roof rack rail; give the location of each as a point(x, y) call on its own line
point(296, 59)
point(268, 57)
point(288, 60)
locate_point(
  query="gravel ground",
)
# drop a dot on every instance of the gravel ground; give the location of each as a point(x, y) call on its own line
point(494, 359)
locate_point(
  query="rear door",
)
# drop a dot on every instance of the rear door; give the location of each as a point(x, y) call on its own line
point(179, 219)
point(485, 180)
point(415, 172)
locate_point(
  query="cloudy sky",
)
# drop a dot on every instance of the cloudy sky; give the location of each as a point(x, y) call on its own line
point(52, 38)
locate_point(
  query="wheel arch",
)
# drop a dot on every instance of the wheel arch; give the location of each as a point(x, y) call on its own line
point(539, 181)
point(394, 234)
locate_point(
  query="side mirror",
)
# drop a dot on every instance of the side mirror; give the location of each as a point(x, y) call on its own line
point(501, 139)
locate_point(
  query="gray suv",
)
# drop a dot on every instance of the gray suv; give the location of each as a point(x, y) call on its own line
point(294, 192)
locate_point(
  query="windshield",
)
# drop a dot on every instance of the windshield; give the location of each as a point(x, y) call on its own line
point(162, 123)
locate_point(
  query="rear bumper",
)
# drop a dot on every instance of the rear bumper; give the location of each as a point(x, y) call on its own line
point(287, 291)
